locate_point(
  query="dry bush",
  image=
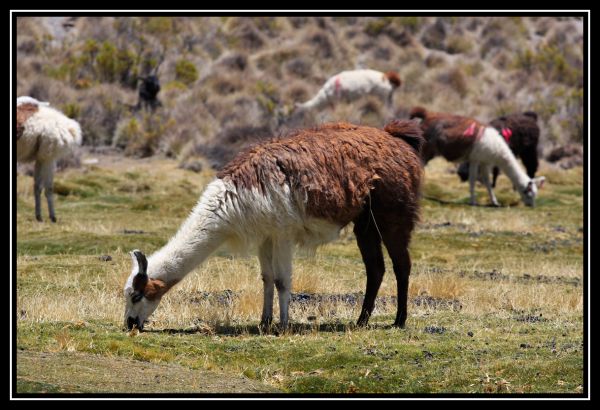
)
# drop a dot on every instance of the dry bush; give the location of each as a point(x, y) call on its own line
point(434, 35)
point(224, 83)
point(243, 34)
point(233, 61)
point(322, 44)
point(300, 67)
point(101, 108)
point(229, 142)
point(456, 80)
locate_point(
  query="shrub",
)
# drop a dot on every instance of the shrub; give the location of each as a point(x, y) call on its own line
point(456, 80)
point(458, 44)
point(186, 72)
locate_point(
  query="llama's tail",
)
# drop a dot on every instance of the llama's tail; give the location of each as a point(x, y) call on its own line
point(418, 112)
point(407, 130)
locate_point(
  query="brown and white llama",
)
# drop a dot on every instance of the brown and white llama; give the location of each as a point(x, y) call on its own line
point(458, 139)
point(352, 85)
point(43, 135)
point(522, 133)
point(298, 190)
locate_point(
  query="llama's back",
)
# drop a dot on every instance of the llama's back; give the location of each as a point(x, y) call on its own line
point(47, 134)
point(524, 130)
point(329, 173)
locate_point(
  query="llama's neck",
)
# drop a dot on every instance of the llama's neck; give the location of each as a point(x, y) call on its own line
point(506, 161)
point(196, 239)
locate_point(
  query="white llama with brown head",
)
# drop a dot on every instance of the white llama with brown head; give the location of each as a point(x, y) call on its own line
point(301, 189)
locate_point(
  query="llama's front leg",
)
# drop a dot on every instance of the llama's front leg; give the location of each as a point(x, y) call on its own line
point(473, 173)
point(265, 256)
point(48, 183)
point(485, 179)
point(37, 190)
point(282, 264)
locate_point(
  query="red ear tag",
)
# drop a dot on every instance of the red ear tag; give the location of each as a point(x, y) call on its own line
point(470, 131)
point(506, 133)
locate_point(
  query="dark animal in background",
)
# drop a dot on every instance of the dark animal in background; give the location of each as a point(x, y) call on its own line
point(148, 92)
point(522, 134)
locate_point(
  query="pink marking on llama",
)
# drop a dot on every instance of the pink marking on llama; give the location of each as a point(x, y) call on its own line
point(507, 133)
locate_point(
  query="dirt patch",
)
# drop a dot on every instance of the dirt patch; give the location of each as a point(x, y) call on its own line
point(39, 372)
point(495, 275)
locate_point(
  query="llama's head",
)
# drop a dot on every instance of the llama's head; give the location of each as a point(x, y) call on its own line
point(393, 78)
point(529, 192)
point(141, 299)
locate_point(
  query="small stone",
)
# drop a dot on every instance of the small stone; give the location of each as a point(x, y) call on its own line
point(105, 258)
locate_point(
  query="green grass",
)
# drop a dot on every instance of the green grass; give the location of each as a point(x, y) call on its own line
point(517, 330)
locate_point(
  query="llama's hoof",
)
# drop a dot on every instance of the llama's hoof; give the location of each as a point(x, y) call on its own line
point(39, 218)
point(53, 219)
point(399, 325)
point(265, 327)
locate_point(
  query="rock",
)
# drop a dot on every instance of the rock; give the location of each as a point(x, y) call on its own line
point(105, 258)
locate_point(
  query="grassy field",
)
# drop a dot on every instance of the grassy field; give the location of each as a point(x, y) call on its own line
point(496, 296)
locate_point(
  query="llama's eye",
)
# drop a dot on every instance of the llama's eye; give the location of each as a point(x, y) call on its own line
point(136, 297)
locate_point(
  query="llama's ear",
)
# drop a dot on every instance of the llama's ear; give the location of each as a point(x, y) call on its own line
point(139, 261)
point(539, 181)
point(141, 265)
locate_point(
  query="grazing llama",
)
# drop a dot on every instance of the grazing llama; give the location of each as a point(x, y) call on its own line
point(43, 135)
point(352, 85)
point(522, 134)
point(459, 138)
point(301, 189)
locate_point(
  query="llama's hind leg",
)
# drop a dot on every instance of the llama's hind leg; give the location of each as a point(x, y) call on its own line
point(265, 256)
point(396, 242)
point(282, 267)
point(485, 179)
point(37, 190)
point(473, 174)
point(495, 172)
point(48, 183)
point(369, 243)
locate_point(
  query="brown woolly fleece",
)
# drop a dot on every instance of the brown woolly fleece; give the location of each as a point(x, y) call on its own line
point(445, 134)
point(524, 138)
point(393, 78)
point(340, 169)
point(24, 112)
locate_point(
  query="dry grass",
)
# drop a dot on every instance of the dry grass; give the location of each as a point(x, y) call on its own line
point(511, 276)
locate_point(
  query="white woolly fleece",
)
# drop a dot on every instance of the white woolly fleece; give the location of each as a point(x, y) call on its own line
point(30, 100)
point(48, 134)
point(238, 218)
point(491, 149)
point(351, 85)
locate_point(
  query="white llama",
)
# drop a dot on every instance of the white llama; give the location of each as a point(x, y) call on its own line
point(43, 135)
point(458, 139)
point(352, 85)
point(301, 189)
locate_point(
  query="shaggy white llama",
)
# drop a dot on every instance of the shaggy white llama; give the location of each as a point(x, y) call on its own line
point(352, 85)
point(459, 138)
point(43, 135)
point(298, 190)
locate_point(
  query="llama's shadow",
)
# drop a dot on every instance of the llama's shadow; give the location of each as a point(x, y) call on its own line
point(293, 329)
